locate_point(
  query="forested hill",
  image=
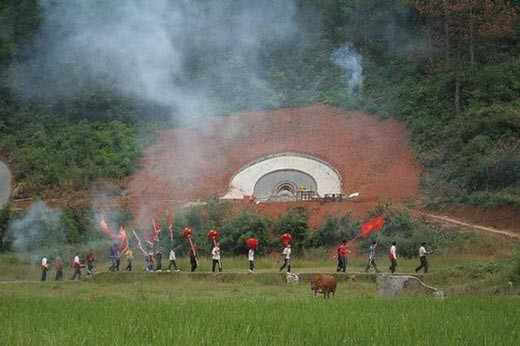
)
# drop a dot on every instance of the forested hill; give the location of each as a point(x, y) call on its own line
point(84, 84)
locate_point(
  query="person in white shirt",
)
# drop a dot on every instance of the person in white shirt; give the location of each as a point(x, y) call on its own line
point(393, 257)
point(76, 264)
point(172, 261)
point(422, 257)
point(286, 256)
point(215, 255)
point(45, 268)
point(251, 258)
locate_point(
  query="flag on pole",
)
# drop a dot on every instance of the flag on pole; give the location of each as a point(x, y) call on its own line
point(372, 226)
point(169, 222)
point(156, 229)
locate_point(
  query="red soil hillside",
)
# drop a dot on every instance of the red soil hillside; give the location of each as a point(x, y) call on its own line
point(189, 164)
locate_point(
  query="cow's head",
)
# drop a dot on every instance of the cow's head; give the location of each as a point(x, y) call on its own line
point(315, 282)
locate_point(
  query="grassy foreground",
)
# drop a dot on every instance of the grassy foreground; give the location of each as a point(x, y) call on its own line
point(182, 310)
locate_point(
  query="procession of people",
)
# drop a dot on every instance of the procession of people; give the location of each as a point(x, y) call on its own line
point(153, 255)
point(343, 252)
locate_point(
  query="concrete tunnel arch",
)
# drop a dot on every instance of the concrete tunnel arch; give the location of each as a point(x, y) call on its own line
point(327, 179)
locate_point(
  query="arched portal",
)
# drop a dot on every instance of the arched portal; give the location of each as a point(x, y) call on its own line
point(279, 177)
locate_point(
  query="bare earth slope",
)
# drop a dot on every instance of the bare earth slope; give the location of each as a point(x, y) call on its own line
point(189, 164)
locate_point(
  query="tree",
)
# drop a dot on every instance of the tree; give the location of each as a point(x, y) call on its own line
point(459, 25)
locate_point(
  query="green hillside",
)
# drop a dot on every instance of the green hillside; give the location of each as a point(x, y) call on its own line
point(74, 109)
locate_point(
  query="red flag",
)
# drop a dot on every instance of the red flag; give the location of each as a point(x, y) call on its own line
point(104, 228)
point(147, 237)
point(169, 222)
point(156, 228)
point(139, 245)
point(123, 238)
point(373, 225)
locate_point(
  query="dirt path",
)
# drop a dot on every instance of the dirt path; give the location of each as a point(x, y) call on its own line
point(451, 221)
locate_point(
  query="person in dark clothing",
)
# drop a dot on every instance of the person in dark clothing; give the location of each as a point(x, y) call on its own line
point(129, 258)
point(112, 255)
point(158, 258)
point(45, 268)
point(58, 263)
point(118, 259)
point(193, 259)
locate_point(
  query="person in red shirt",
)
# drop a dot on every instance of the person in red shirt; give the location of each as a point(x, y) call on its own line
point(342, 257)
point(90, 262)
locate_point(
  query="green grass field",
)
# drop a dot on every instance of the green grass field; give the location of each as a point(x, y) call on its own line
point(155, 309)
point(237, 308)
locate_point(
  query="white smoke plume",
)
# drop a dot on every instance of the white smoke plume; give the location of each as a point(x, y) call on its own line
point(40, 227)
point(154, 50)
point(350, 61)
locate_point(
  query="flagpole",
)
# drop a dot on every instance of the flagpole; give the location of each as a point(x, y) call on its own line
point(194, 252)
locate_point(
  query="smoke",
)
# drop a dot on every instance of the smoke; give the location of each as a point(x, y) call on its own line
point(184, 55)
point(40, 227)
point(349, 61)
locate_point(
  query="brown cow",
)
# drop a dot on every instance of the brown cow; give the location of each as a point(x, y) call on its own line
point(325, 284)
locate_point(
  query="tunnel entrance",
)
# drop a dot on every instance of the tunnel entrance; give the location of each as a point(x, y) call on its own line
point(285, 177)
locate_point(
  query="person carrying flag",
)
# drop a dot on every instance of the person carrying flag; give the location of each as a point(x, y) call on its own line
point(251, 258)
point(129, 258)
point(58, 264)
point(215, 255)
point(90, 262)
point(118, 259)
point(342, 257)
point(45, 268)
point(148, 262)
point(286, 256)
point(158, 258)
point(193, 259)
point(112, 255)
point(76, 264)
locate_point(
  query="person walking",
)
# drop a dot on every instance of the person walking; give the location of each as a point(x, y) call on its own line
point(251, 258)
point(58, 264)
point(45, 268)
point(422, 257)
point(342, 257)
point(172, 259)
point(112, 255)
point(129, 258)
point(76, 264)
point(372, 257)
point(193, 259)
point(118, 259)
point(286, 256)
point(392, 255)
point(90, 262)
point(158, 259)
point(148, 266)
point(215, 256)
